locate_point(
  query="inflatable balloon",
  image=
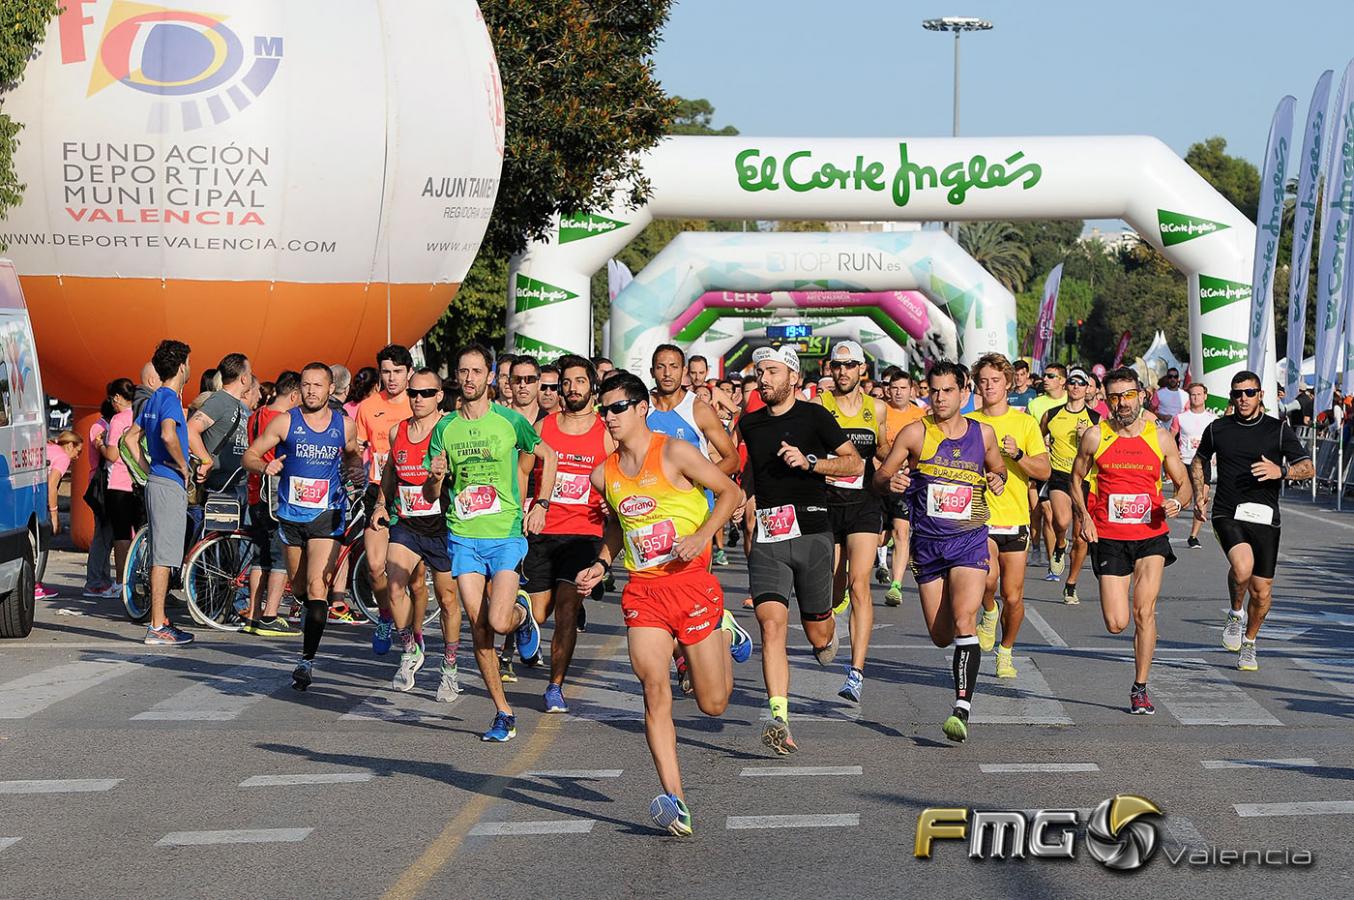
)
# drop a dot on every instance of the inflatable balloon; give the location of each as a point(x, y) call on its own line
point(1098, 370)
point(295, 181)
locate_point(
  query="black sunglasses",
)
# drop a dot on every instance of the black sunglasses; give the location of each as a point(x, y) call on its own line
point(525, 379)
point(549, 385)
point(1245, 392)
point(426, 393)
point(618, 407)
point(1079, 381)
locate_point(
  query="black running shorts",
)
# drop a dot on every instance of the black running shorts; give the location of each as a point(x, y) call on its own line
point(1263, 540)
point(802, 564)
point(1117, 558)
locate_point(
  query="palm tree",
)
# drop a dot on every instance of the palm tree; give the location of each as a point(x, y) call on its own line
point(996, 246)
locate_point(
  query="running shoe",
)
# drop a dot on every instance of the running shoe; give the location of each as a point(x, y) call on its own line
point(528, 633)
point(1233, 632)
point(956, 726)
point(776, 735)
point(1049, 576)
point(167, 636)
point(411, 661)
point(97, 592)
point(449, 688)
point(748, 604)
point(841, 608)
point(341, 613)
point(503, 730)
point(301, 675)
point(112, 592)
point(43, 592)
point(855, 680)
point(733, 536)
point(882, 575)
point(380, 638)
point(532, 662)
point(720, 558)
point(1057, 563)
point(505, 670)
point(741, 646)
point(1070, 595)
point(684, 677)
point(1245, 660)
point(274, 627)
point(825, 655)
point(1005, 667)
point(1138, 704)
point(1193, 543)
point(581, 623)
point(554, 699)
point(670, 814)
point(987, 629)
point(894, 595)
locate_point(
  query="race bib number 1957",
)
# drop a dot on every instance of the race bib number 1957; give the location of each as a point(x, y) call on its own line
point(652, 545)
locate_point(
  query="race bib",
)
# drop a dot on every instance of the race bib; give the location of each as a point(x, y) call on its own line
point(413, 503)
point(1258, 513)
point(779, 523)
point(477, 500)
point(1130, 509)
point(949, 501)
point(652, 545)
point(379, 459)
point(571, 489)
point(308, 493)
point(855, 483)
point(1003, 530)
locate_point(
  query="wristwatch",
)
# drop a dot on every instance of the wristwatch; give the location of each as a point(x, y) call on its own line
point(1283, 471)
point(813, 460)
point(1020, 454)
point(543, 504)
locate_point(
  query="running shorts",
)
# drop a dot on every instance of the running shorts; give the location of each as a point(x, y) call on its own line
point(431, 548)
point(485, 556)
point(689, 605)
point(863, 517)
point(897, 508)
point(1010, 540)
point(270, 554)
point(167, 515)
point(328, 525)
point(1060, 481)
point(933, 558)
point(552, 558)
point(801, 564)
point(1263, 540)
point(1117, 558)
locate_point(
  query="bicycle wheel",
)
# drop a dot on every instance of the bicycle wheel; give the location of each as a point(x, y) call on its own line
point(216, 580)
point(362, 596)
point(136, 578)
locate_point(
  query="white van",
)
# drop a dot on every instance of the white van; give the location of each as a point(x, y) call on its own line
point(23, 459)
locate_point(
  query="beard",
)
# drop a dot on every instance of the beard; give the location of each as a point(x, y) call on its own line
point(577, 404)
point(774, 395)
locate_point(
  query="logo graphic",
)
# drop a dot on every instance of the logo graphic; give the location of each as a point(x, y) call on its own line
point(1215, 293)
point(544, 353)
point(1118, 837)
point(531, 293)
point(1220, 353)
point(637, 506)
point(199, 70)
point(1176, 228)
point(585, 225)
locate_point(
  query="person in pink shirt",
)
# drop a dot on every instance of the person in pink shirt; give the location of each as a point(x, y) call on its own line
point(60, 454)
point(122, 506)
point(98, 582)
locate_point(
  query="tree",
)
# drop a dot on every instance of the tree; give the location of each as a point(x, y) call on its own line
point(694, 117)
point(1235, 178)
point(23, 23)
point(998, 248)
point(1049, 242)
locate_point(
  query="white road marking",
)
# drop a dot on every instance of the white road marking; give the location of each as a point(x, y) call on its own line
point(1024, 700)
point(31, 694)
point(772, 771)
point(234, 836)
point(517, 829)
point(60, 786)
point(1330, 519)
point(318, 778)
point(1196, 693)
point(1045, 630)
point(577, 774)
point(223, 696)
point(1338, 673)
point(1304, 808)
point(1016, 768)
point(8, 842)
point(1296, 763)
point(825, 820)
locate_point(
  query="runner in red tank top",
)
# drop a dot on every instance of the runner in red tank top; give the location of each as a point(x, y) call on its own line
point(574, 519)
point(1125, 522)
point(264, 530)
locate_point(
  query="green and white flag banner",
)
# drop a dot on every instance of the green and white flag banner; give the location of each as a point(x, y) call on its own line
point(1334, 246)
point(1268, 223)
point(1304, 217)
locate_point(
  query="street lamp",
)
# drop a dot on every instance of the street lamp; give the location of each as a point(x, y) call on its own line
point(957, 24)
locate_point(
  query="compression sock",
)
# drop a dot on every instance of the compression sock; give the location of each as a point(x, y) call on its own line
point(418, 638)
point(317, 614)
point(967, 656)
point(450, 656)
point(385, 616)
point(883, 556)
point(1139, 686)
point(780, 708)
point(404, 638)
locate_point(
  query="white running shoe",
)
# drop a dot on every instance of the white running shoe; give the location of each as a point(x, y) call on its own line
point(1232, 632)
point(410, 662)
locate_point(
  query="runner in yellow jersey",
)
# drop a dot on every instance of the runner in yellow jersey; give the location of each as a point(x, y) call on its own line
point(1063, 427)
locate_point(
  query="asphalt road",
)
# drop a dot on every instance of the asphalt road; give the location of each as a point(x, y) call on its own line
point(134, 771)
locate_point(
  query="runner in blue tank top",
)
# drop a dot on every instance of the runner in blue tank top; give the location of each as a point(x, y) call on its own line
point(311, 443)
point(941, 464)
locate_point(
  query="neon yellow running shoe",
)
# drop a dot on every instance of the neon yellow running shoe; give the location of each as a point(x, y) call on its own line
point(1005, 668)
point(987, 629)
point(841, 608)
point(956, 726)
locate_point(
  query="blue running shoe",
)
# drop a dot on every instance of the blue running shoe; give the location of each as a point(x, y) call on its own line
point(741, 647)
point(855, 680)
point(381, 637)
point(528, 633)
point(670, 814)
point(554, 699)
point(167, 636)
point(503, 730)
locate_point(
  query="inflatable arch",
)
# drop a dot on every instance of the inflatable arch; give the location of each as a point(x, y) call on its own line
point(741, 336)
point(1135, 178)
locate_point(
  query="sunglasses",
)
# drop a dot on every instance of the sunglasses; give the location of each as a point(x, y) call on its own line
point(1078, 382)
point(526, 379)
point(425, 393)
point(1124, 397)
point(618, 407)
point(1244, 392)
point(849, 364)
point(549, 385)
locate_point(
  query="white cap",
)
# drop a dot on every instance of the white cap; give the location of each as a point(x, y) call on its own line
point(786, 356)
point(847, 351)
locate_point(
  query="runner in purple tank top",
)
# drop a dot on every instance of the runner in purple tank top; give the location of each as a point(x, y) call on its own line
point(941, 464)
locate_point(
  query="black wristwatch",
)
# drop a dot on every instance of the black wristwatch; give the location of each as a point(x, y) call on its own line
point(1020, 454)
point(813, 460)
point(544, 504)
point(1283, 471)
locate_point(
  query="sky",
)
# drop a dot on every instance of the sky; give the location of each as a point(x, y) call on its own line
point(1181, 71)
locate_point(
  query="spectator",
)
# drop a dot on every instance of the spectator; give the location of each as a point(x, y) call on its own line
point(60, 453)
point(98, 580)
point(1023, 391)
point(123, 507)
point(364, 382)
point(343, 381)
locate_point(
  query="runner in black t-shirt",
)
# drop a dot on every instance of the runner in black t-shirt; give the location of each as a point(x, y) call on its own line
point(1255, 453)
point(788, 443)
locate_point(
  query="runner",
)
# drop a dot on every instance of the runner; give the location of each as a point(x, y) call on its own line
point(418, 539)
point(311, 441)
point(900, 412)
point(1041, 511)
point(268, 568)
point(376, 416)
point(477, 447)
point(1256, 453)
point(1008, 524)
point(549, 394)
point(1063, 427)
point(1123, 517)
point(1170, 399)
point(525, 378)
point(950, 461)
point(793, 445)
point(1022, 391)
point(855, 511)
point(1188, 428)
point(653, 484)
point(572, 535)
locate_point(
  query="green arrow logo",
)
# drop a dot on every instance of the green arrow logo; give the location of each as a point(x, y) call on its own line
point(578, 226)
point(544, 353)
point(1220, 353)
point(531, 293)
point(1176, 228)
point(1215, 293)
